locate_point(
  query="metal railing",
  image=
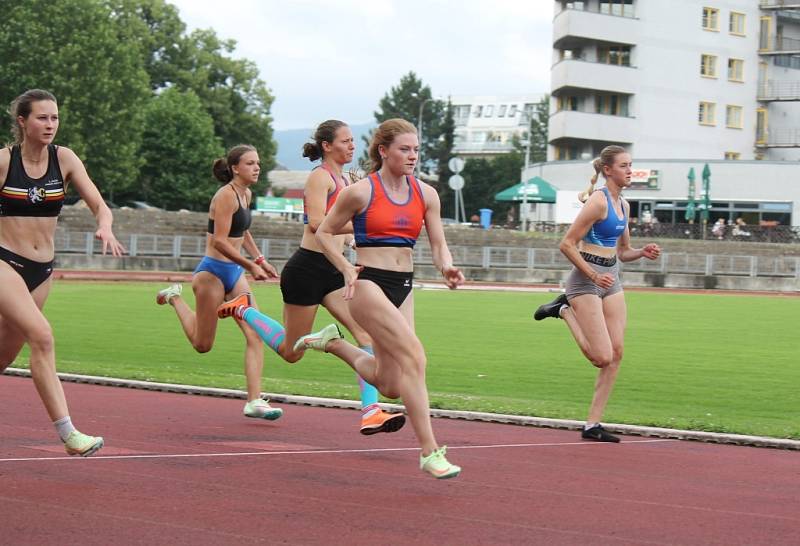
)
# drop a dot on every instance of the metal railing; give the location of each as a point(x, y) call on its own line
point(781, 44)
point(182, 246)
point(779, 90)
point(783, 137)
point(768, 4)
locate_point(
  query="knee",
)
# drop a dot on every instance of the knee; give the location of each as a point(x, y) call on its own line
point(618, 351)
point(42, 341)
point(202, 346)
point(292, 357)
point(601, 359)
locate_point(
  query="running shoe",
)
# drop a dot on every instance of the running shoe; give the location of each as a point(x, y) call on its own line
point(598, 434)
point(235, 307)
point(172, 291)
point(380, 421)
point(438, 466)
point(551, 309)
point(319, 340)
point(260, 409)
point(78, 443)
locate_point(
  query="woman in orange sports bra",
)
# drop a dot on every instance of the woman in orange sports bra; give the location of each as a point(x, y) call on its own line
point(388, 209)
point(34, 174)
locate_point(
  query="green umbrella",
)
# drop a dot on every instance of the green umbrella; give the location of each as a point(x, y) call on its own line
point(706, 204)
point(537, 189)
point(691, 207)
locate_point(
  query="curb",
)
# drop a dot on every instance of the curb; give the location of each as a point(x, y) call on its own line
point(567, 424)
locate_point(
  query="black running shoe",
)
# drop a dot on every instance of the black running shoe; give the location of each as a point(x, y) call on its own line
point(598, 434)
point(551, 309)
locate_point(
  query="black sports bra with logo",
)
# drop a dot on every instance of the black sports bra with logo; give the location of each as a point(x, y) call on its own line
point(22, 195)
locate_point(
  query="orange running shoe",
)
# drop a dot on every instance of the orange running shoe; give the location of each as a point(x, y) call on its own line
point(380, 421)
point(235, 307)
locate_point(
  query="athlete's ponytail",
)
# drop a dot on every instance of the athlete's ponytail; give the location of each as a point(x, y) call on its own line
point(326, 132)
point(606, 159)
point(222, 168)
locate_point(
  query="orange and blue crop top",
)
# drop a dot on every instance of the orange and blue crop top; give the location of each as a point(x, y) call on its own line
point(21, 195)
point(339, 184)
point(606, 232)
point(386, 223)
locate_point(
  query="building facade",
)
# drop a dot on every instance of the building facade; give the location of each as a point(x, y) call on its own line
point(486, 125)
point(710, 79)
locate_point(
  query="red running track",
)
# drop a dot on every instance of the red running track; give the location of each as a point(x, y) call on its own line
point(182, 469)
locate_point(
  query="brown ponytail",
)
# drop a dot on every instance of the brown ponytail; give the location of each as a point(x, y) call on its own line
point(222, 166)
point(326, 132)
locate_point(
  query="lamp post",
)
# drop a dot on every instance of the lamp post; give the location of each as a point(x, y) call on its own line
point(524, 209)
point(419, 132)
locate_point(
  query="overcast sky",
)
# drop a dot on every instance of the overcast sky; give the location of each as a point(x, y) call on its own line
point(337, 58)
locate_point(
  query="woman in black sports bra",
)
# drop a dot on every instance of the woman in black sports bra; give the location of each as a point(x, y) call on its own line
point(34, 174)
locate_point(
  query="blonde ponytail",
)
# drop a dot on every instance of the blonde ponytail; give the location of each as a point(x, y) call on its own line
point(606, 158)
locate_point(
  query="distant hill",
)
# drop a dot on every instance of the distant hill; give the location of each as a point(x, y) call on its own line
point(290, 145)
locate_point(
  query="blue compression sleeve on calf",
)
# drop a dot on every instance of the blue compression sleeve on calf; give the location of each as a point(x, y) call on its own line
point(269, 329)
point(369, 394)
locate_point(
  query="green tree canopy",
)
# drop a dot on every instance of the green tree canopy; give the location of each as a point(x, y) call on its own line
point(74, 49)
point(178, 148)
point(483, 178)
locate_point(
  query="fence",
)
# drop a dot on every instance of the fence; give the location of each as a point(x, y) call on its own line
point(181, 246)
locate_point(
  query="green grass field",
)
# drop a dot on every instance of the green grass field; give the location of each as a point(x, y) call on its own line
point(725, 363)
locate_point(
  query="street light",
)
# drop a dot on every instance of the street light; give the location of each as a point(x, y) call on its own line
point(524, 208)
point(419, 127)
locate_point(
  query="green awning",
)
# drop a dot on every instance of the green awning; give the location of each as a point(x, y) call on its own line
point(538, 190)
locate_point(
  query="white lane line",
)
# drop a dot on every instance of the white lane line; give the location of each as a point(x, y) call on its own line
point(312, 451)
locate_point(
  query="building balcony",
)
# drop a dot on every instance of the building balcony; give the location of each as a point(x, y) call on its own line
point(778, 90)
point(779, 4)
point(575, 73)
point(780, 45)
point(784, 137)
point(588, 126)
point(482, 148)
point(574, 28)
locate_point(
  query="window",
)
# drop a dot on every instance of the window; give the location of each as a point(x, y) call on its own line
point(622, 8)
point(711, 19)
point(732, 156)
point(736, 24)
point(488, 111)
point(619, 55)
point(706, 114)
point(478, 111)
point(764, 37)
point(612, 105)
point(502, 111)
point(567, 54)
point(787, 61)
point(708, 66)
point(736, 70)
point(567, 102)
point(512, 110)
point(761, 126)
point(567, 153)
point(733, 116)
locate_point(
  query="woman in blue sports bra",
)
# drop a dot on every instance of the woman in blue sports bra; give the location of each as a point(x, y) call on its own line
point(219, 276)
point(594, 304)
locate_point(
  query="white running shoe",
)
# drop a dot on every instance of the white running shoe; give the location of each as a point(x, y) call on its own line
point(318, 340)
point(168, 293)
point(260, 409)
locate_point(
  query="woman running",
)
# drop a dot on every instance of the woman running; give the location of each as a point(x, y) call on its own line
point(387, 210)
point(35, 174)
point(594, 304)
point(309, 280)
point(220, 272)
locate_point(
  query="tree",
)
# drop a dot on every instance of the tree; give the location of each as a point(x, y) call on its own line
point(483, 178)
point(444, 153)
point(178, 148)
point(537, 131)
point(74, 49)
point(404, 101)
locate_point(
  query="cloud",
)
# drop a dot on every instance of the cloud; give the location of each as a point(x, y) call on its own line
point(318, 57)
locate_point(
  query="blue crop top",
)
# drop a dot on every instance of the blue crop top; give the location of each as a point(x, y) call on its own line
point(606, 232)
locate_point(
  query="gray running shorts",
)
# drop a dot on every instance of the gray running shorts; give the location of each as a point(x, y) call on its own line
point(579, 284)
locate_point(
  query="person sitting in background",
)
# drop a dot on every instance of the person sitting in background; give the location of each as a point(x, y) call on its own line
point(738, 228)
point(719, 229)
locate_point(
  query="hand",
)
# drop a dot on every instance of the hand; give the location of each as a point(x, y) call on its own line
point(109, 241)
point(256, 271)
point(606, 280)
point(269, 269)
point(350, 277)
point(453, 277)
point(651, 251)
